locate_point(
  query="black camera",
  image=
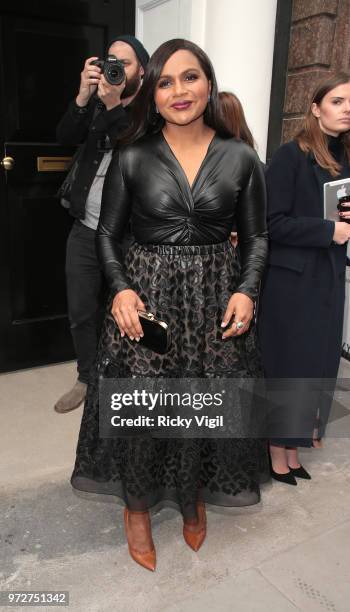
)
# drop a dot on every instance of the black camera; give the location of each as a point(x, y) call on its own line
point(112, 68)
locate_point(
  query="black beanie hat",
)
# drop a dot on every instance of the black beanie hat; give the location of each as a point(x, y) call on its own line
point(138, 47)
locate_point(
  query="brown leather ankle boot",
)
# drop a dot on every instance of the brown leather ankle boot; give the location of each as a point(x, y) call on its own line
point(146, 559)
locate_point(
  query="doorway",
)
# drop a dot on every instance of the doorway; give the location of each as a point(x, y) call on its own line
point(43, 51)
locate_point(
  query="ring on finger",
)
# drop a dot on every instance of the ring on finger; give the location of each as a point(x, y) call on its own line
point(239, 324)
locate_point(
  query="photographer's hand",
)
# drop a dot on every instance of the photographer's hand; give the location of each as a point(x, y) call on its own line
point(89, 80)
point(110, 94)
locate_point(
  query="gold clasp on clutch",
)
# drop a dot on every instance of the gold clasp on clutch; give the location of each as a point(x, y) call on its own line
point(150, 317)
point(147, 315)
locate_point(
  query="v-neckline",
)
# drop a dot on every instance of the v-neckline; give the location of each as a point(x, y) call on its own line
point(190, 186)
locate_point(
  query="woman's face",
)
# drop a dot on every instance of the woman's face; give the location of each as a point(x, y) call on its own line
point(182, 91)
point(333, 112)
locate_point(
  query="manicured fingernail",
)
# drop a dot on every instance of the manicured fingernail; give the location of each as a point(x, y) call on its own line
point(223, 324)
point(122, 334)
point(137, 339)
point(131, 337)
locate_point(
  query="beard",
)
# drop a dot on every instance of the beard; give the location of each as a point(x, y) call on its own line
point(131, 87)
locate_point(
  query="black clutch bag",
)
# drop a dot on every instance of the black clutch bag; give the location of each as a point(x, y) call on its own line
point(156, 333)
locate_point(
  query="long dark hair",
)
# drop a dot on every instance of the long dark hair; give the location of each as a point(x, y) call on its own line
point(145, 120)
point(311, 139)
point(234, 117)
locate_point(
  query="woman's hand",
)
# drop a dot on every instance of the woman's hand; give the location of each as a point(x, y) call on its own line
point(242, 308)
point(125, 305)
point(341, 232)
point(344, 215)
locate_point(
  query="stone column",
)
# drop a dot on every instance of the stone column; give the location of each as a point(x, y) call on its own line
point(319, 44)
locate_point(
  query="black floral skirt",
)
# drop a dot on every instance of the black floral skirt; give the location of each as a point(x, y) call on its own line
point(189, 287)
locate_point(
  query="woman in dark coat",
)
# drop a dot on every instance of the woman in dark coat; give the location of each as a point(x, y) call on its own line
point(302, 301)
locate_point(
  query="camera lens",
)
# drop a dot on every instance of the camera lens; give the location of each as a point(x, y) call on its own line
point(115, 75)
point(114, 72)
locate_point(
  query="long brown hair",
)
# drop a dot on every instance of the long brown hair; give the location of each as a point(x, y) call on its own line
point(234, 118)
point(145, 120)
point(311, 139)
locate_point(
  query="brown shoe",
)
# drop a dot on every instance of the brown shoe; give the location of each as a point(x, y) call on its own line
point(194, 535)
point(72, 399)
point(146, 559)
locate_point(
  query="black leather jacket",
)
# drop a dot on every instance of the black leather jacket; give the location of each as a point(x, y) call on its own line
point(146, 184)
point(83, 125)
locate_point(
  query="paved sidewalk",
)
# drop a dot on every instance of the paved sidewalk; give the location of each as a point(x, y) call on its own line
point(291, 552)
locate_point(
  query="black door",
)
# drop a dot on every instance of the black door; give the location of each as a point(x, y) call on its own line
point(43, 49)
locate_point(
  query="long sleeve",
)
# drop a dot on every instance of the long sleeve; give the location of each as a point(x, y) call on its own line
point(298, 231)
point(74, 125)
point(113, 223)
point(252, 232)
point(113, 122)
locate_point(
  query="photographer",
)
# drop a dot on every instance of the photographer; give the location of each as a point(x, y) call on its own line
point(95, 119)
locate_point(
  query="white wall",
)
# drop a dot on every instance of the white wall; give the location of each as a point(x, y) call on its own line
point(161, 20)
point(238, 36)
point(239, 40)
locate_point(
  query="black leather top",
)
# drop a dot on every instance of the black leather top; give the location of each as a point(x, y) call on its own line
point(146, 184)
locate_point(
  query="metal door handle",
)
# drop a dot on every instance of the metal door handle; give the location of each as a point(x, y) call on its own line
point(8, 163)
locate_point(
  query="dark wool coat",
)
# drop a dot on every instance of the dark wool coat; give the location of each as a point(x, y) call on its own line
point(301, 306)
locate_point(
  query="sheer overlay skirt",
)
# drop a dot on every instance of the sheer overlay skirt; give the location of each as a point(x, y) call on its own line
point(189, 287)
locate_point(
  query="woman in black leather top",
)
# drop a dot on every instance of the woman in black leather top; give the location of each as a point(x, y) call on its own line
point(302, 302)
point(181, 180)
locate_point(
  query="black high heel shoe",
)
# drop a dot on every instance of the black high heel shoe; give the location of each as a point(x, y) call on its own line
point(300, 472)
point(286, 478)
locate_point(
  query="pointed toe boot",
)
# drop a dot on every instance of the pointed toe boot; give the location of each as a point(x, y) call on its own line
point(195, 539)
point(146, 559)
